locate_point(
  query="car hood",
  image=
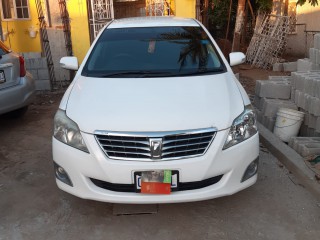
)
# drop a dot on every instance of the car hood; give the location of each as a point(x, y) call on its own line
point(154, 104)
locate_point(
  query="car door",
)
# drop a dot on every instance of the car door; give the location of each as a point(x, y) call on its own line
point(9, 68)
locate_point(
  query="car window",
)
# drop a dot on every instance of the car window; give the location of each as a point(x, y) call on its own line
point(3, 49)
point(153, 52)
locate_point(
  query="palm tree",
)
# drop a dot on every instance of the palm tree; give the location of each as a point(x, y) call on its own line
point(193, 48)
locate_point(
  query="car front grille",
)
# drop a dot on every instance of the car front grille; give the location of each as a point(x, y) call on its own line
point(137, 146)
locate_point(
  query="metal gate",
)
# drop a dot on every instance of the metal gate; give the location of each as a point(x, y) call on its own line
point(158, 8)
point(101, 12)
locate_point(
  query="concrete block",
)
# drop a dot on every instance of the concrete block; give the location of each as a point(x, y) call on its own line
point(274, 89)
point(312, 55)
point(292, 94)
point(37, 63)
point(31, 55)
point(257, 102)
point(306, 65)
point(271, 106)
point(317, 56)
point(303, 131)
point(316, 41)
point(277, 67)
point(258, 115)
point(318, 125)
point(280, 78)
point(309, 149)
point(315, 106)
point(43, 85)
point(268, 122)
point(290, 67)
point(43, 74)
point(34, 74)
point(312, 121)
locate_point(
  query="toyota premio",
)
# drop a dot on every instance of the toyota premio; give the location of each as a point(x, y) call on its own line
point(154, 115)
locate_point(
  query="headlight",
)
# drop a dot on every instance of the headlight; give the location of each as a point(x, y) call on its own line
point(67, 131)
point(243, 127)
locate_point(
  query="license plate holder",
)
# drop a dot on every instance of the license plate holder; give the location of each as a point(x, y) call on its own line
point(174, 180)
point(2, 77)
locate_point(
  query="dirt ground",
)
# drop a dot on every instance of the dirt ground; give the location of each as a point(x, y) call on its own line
point(32, 207)
point(249, 75)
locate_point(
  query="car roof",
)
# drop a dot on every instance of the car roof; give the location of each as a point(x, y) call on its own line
point(153, 22)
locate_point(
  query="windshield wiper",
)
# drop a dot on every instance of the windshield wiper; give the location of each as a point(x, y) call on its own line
point(216, 70)
point(139, 74)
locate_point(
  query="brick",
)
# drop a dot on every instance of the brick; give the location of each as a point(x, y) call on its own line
point(306, 65)
point(274, 89)
point(43, 85)
point(290, 67)
point(43, 74)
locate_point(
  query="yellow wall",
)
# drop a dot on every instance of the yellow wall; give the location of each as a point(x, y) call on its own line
point(19, 40)
point(185, 8)
point(79, 27)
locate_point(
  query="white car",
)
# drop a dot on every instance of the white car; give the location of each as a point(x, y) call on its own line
point(154, 115)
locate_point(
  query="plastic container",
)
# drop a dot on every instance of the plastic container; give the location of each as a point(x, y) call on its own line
point(288, 123)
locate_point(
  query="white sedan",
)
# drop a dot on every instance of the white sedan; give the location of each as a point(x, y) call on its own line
point(154, 115)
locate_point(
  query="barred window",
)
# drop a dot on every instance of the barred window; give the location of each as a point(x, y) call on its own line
point(15, 9)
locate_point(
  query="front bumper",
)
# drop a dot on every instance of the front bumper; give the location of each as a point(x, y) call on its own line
point(17, 96)
point(231, 163)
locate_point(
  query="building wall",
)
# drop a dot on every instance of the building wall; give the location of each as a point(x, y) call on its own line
point(299, 42)
point(79, 27)
point(18, 38)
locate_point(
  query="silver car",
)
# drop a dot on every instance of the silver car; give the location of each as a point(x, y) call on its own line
point(17, 86)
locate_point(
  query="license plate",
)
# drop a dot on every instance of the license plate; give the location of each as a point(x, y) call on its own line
point(156, 182)
point(2, 77)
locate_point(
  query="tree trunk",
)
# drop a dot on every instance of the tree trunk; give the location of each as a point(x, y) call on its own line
point(239, 25)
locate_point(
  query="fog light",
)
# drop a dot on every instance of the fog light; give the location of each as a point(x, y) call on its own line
point(61, 174)
point(251, 170)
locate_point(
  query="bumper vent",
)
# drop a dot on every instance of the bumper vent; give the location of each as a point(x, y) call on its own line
point(155, 146)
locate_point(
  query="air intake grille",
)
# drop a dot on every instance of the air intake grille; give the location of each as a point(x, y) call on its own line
point(131, 146)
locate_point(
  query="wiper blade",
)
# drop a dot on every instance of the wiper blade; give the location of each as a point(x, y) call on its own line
point(139, 74)
point(216, 70)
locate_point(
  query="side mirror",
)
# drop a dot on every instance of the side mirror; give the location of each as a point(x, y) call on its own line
point(236, 58)
point(70, 63)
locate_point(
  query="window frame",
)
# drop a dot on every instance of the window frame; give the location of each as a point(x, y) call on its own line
point(15, 17)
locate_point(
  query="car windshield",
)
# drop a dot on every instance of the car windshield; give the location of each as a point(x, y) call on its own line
point(153, 52)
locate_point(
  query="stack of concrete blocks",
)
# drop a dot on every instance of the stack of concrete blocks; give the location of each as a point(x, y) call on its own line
point(306, 146)
point(58, 50)
point(306, 64)
point(305, 92)
point(270, 96)
point(37, 66)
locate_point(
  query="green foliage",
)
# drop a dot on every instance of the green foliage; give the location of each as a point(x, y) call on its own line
point(312, 2)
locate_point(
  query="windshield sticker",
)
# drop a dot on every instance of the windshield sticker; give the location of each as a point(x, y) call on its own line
point(152, 46)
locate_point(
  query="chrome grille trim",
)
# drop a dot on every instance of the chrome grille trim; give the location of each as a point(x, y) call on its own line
point(136, 146)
